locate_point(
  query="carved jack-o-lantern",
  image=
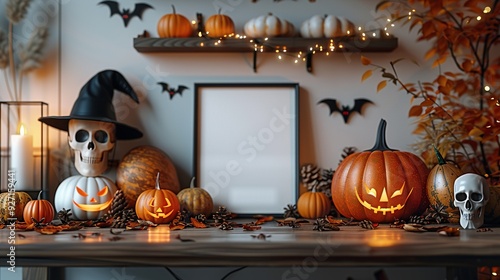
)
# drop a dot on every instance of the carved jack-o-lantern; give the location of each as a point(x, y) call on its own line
point(380, 184)
point(159, 206)
point(88, 197)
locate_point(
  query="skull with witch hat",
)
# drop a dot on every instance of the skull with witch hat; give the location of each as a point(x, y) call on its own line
point(92, 125)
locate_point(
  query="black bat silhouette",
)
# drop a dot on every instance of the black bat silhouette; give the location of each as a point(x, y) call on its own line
point(126, 14)
point(172, 91)
point(345, 111)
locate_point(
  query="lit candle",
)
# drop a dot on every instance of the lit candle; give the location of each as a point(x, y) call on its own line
point(21, 159)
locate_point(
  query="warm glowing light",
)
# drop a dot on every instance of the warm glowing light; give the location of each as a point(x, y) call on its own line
point(22, 130)
point(193, 22)
point(486, 10)
point(359, 28)
point(478, 18)
point(279, 57)
point(296, 61)
point(374, 34)
point(392, 24)
point(389, 20)
point(387, 34)
point(348, 32)
point(487, 88)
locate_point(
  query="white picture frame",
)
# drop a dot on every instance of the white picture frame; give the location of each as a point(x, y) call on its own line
point(246, 152)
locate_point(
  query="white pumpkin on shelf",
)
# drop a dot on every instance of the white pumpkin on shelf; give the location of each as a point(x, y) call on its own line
point(268, 26)
point(327, 26)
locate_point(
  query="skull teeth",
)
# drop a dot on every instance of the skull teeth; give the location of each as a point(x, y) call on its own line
point(90, 160)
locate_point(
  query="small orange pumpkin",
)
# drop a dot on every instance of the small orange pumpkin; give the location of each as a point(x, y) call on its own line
point(440, 186)
point(174, 26)
point(159, 206)
point(313, 205)
point(196, 200)
point(38, 209)
point(219, 25)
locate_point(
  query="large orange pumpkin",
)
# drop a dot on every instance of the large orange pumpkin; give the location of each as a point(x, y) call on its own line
point(219, 25)
point(380, 184)
point(137, 171)
point(174, 26)
point(440, 186)
point(38, 209)
point(159, 206)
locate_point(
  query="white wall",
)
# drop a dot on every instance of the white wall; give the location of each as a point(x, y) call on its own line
point(90, 40)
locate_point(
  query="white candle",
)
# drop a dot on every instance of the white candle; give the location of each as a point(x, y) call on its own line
point(21, 159)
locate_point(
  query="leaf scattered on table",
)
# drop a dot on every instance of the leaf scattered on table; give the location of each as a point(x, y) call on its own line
point(263, 219)
point(197, 224)
point(178, 226)
point(183, 239)
point(115, 231)
point(48, 230)
point(449, 231)
point(413, 228)
point(22, 236)
point(484, 229)
point(251, 227)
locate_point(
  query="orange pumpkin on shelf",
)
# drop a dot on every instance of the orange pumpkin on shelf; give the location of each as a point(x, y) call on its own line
point(137, 171)
point(440, 186)
point(219, 25)
point(38, 209)
point(159, 206)
point(313, 205)
point(174, 26)
point(196, 200)
point(380, 184)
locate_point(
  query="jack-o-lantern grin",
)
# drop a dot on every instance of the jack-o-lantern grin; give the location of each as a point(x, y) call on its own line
point(383, 198)
point(159, 213)
point(93, 207)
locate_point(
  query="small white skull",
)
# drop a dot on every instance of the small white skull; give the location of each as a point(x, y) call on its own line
point(471, 195)
point(91, 141)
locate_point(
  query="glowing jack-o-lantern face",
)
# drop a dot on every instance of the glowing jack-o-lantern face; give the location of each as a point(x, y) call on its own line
point(88, 198)
point(159, 206)
point(384, 199)
point(380, 184)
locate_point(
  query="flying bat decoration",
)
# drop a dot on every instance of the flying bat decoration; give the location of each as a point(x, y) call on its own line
point(172, 91)
point(126, 14)
point(346, 111)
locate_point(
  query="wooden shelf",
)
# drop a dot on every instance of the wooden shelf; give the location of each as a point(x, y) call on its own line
point(292, 45)
point(295, 44)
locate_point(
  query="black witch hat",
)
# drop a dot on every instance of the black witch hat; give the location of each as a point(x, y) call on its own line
point(95, 103)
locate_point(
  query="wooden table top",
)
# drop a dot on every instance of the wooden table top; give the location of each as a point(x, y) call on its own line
point(283, 246)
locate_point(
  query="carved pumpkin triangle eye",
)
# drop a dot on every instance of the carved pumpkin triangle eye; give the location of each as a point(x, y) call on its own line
point(81, 192)
point(398, 192)
point(152, 202)
point(103, 192)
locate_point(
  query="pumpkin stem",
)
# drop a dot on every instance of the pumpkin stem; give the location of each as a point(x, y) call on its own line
point(380, 142)
point(440, 158)
point(173, 9)
point(39, 195)
point(157, 186)
point(191, 185)
point(220, 10)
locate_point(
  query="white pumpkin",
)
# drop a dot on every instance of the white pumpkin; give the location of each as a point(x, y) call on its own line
point(89, 198)
point(328, 26)
point(268, 26)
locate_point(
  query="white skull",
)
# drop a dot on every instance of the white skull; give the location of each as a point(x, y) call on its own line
point(91, 141)
point(471, 195)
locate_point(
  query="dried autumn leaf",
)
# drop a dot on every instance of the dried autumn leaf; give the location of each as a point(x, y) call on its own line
point(366, 75)
point(381, 85)
point(263, 220)
point(415, 111)
point(2, 226)
point(48, 230)
point(413, 228)
point(476, 132)
point(449, 231)
point(249, 227)
point(197, 224)
point(365, 60)
point(178, 226)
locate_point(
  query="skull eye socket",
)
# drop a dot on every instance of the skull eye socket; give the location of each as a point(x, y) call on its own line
point(81, 135)
point(461, 197)
point(101, 136)
point(476, 197)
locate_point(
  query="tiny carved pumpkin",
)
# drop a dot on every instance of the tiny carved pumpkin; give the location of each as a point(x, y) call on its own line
point(12, 205)
point(196, 200)
point(328, 26)
point(219, 25)
point(137, 172)
point(440, 186)
point(174, 26)
point(159, 206)
point(38, 209)
point(381, 184)
point(88, 198)
point(313, 205)
point(268, 26)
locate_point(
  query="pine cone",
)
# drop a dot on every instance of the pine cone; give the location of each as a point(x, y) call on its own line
point(291, 211)
point(222, 215)
point(310, 175)
point(417, 220)
point(118, 205)
point(346, 152)
point(64, 215)
point(436, 214)
point(367, 224)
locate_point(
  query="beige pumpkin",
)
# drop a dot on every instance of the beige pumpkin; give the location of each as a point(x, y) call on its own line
point(268, 26)
point(196, 200)
point(327, 26)
point(12, 205)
